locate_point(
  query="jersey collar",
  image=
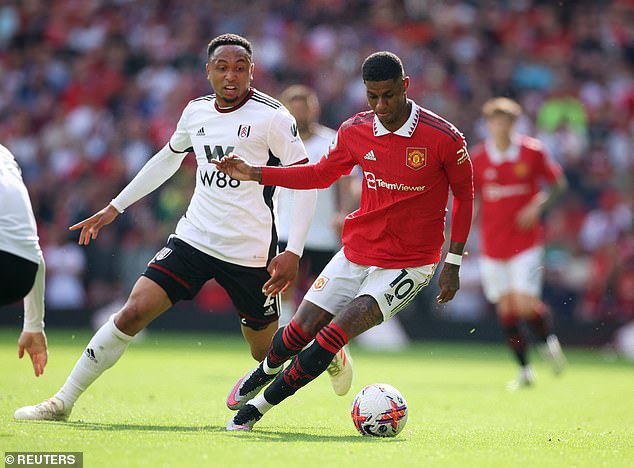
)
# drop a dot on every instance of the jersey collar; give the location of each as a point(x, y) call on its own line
point(510, 155)
point(224, 110)
point(407, 130)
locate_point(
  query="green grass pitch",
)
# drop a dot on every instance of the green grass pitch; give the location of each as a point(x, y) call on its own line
point(163, 404)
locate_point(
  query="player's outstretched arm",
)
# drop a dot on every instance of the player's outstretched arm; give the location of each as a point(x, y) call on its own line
point(90, 227)
point(34, 343)
point(236, 167)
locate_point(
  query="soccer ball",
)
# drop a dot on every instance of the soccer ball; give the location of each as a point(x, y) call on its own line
point(379, 410)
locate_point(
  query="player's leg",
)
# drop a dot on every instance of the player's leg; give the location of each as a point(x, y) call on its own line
point(259, 340)
point(509, 318)
point(340, 368)
point(527, 277)
point(163, 283)
point(381, 295)
point(147, 301)
point(289, 340)
point(498, 288)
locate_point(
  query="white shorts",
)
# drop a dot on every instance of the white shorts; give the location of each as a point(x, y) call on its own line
point(522, 273)
point(342, 281)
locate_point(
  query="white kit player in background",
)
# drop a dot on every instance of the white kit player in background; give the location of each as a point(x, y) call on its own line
point(22, 268)
point(324, 237)
point(228, 232)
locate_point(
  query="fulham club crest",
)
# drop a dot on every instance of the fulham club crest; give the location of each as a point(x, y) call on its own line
point(244, 131)
point(416, 158)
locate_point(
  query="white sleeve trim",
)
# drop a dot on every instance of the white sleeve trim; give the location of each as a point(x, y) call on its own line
point(156, 171)
point(302, 211)
point(34, 302)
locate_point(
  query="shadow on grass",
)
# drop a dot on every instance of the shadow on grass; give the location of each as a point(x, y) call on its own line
point(263, 435)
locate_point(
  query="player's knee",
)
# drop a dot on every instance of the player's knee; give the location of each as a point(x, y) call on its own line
point(132, 318)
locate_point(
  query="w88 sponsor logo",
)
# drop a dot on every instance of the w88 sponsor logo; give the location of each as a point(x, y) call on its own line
point(219, 179)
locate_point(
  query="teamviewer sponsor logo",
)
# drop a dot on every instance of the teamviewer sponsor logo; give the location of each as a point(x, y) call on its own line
point(374, 183)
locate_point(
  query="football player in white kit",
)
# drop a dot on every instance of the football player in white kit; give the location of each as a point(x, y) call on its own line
point(228, 232)
point(22, 268)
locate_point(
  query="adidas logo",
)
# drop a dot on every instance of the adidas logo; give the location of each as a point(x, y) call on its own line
point(91, 354)
point(389, 298)
point(370, 156)
point(201, 132)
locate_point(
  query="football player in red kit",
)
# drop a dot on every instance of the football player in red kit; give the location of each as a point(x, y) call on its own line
point(410, 159)
point(515, 181)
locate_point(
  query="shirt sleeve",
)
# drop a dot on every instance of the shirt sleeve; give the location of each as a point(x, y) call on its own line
point(180, 141)
point(284, 140)
point(336, 163)
point(459, 170)
point(34, 302)
point(549, 169)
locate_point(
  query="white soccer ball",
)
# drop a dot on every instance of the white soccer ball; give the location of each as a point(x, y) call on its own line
point(379, 410)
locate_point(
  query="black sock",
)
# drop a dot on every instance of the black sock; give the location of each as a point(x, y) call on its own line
point(308, 364)
point(540, 321)
point(515, 337)
point(287, 342)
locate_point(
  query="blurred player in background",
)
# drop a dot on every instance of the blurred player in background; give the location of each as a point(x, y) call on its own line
point(22, 268)
point(410, 158)
point(228, 232)
point(510, 171)
point(324, 236)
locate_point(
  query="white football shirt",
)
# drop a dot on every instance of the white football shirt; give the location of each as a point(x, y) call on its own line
point(226, 218)
point(322, 234)
point(18, 230)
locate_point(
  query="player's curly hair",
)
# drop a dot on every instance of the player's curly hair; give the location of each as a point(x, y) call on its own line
point(381, 66)
point(229, 39)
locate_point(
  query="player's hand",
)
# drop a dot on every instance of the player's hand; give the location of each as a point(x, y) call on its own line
point(237, 168)
point(283, 270)
point(90, 227)
point(34, 343)
point(449, 282)
point(528, 216)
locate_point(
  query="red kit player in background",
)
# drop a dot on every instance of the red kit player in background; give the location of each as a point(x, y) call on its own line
point(515, 181)
point(410, 159)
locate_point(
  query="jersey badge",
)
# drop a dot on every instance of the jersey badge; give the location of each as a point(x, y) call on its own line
point(163, 253)
point(416, 158)
point(521, 169)
point(244, 131)
point(320, 282)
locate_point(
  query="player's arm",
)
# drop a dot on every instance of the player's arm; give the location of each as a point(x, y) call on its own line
point(156, 171)
point(33, 339)
point(460, 174)
point(529, 215)
point(152, 175)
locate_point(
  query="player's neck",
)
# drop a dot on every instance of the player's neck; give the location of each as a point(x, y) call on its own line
point(503, 143)
point(307, 132)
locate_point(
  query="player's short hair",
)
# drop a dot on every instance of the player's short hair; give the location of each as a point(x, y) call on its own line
point(501, 105)
point(299, 92)
point(229, 39)
point(381, 66)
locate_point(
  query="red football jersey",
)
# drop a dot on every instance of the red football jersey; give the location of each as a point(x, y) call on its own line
point(401, 219)
point(504, 184)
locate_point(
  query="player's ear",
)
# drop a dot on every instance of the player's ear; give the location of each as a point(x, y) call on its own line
point(406, 83)
point(251, 68)
point(207, 69)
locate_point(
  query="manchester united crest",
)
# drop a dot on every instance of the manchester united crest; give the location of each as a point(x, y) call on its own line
point(320, 282)
point(416, 158)
point(521, 169)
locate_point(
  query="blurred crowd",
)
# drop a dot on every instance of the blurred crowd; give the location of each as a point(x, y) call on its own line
point(92, 88)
